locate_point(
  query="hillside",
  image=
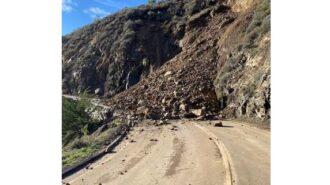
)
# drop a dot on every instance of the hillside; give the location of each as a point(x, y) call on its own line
point(176, 59)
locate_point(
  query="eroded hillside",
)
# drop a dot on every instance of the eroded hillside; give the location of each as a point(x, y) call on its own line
point(199, 58)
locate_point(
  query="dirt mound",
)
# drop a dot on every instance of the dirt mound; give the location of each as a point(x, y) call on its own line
point(183, 84)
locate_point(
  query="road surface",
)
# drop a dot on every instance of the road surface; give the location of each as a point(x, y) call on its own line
point(183, 153)
point(94, 101)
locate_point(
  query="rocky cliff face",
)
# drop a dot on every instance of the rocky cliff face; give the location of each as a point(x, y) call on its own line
point(243, 78)
point(176, 59)
point(113, 54)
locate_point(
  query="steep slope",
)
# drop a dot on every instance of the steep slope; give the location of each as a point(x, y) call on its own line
point(176, 59)
point(243, 78)
point(114, 53)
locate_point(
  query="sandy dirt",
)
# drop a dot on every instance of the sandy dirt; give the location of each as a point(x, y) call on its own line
point(183, 153)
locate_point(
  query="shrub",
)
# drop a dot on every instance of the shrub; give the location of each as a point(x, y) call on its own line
point(259, 25)
point(151, 1)
point(85, 146)
point(145, 62)
point(76, 120)
point(251, 37)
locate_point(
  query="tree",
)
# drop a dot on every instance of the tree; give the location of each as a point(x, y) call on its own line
point(76, 120)
point(151, 1)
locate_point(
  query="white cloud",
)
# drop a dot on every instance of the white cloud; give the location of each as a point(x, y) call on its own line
point(96, 12)
point(114, 4)
point(67, 5)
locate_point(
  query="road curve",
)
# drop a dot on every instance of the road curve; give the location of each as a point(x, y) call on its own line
point(249, 151)
point(94, 101)
point(184, 153)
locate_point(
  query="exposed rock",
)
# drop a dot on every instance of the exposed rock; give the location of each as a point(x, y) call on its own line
point(152, 115)
point(97, 91)
point(183, 107)
point(161, 122)
point(141, 102)
point(189, 115)
point(167, 73)
point(198, 112)
point(218, 124)
point(200, 118)
point(142, 110)
point(179, 59)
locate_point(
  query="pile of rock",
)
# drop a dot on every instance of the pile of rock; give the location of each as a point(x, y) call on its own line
point(182, 87)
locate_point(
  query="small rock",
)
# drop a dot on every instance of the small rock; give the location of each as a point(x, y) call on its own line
point(162, 122)
point(163, 100)
point(218, 124)
point(168, 73)
point(97, 91)
point(141, 102)
point(121, 173)
point(200, 118)
point(174, 128)
point(132, 141)
point(183, 107)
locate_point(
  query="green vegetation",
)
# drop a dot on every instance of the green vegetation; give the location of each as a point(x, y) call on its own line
point(145, 62)
point(151, 1)
point(72, 156)
point(259, 25)
point(79, 139)
point(85, 146)
point(76, 120)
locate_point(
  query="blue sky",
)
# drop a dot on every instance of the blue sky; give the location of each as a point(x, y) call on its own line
point(77, 13)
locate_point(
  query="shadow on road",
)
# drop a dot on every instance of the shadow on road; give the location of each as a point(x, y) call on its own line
point(225, 126)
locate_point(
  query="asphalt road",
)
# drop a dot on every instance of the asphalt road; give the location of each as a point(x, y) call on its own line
point(184, 152)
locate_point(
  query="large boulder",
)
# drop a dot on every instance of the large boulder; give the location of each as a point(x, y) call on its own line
point(198, 112)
